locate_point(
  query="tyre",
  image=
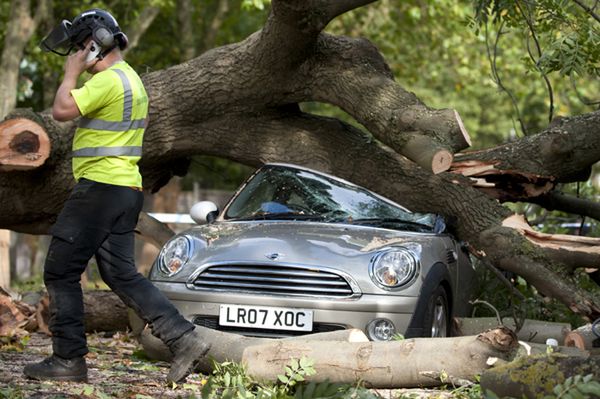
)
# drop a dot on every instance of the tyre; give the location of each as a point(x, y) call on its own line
point(437, 315)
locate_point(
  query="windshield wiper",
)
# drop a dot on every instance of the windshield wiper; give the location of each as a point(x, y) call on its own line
point(281, 216)
point(388, 221)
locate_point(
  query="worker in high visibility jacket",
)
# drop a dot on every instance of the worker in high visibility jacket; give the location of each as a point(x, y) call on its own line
point(101, 213)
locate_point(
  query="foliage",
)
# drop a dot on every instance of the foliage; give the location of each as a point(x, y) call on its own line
point(258, 4)
point(89, 391)
point(566, 30)
point(576, 387)
point(9, 392)
point(556, 36)
point(16, 343)
point(230, 380)
point(216, 173)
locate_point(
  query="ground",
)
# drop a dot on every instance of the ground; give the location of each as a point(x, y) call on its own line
point(117, 369)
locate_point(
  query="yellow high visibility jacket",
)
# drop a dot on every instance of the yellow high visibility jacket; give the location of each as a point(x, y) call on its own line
point(108, 141)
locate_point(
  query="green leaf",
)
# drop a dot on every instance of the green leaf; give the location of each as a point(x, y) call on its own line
point(283, 379)
point(306, 362)
point(88, 390)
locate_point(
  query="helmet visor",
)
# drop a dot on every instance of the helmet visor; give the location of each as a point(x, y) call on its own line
point(58, 40)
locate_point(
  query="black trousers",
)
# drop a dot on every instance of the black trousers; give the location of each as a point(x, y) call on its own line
point(99, 219)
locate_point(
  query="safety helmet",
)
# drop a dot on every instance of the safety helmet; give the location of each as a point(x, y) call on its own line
point(101, 26)
point(95, 23)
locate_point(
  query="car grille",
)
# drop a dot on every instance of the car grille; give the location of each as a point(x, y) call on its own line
point(273, 280)
point(451, 256)
point(213, 323)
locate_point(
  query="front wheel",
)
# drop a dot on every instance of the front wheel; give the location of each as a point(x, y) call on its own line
point(437, 316)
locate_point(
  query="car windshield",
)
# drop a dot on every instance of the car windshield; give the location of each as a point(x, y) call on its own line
point(278, 192)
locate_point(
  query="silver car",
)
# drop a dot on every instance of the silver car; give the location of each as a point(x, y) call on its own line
point(296, 251)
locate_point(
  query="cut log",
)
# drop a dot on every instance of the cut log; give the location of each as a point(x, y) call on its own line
point(427, 153)
point(392, 364)
point(230, 347)
point(536, 376)
point(536, 331)
point(103, 311)
point(582, 338)
point(24, 145)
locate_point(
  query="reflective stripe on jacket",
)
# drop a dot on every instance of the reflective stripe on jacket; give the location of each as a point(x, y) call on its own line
point(108, 141)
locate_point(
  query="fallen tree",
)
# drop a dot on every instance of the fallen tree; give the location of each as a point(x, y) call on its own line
point(240, 102)
point(347, 356)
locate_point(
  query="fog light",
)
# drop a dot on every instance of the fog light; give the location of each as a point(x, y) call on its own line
point(381, 330)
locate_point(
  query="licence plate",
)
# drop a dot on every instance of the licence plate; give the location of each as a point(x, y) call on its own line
point(266, 317)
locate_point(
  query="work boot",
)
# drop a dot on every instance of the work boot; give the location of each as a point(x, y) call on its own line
point(58, 369)
point(187, 351)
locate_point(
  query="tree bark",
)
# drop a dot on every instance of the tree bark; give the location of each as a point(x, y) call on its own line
point(384, 364)
point(241, 102)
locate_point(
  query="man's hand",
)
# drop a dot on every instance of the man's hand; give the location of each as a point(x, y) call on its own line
point(76, 63)
point(64, 107)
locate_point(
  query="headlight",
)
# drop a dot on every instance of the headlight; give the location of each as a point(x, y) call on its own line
point(174, 255)
point(394, 268)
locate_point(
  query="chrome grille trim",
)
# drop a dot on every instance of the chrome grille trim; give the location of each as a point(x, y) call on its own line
point(281, 279)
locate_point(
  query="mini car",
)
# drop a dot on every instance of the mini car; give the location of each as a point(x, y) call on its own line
point(296, 251)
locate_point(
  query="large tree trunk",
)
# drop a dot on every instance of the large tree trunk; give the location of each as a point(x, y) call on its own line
point(241, 102)
point(384, 364)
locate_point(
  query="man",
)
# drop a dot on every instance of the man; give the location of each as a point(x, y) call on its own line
point(100, 215)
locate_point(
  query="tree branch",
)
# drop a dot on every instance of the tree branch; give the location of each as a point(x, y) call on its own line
point(533, 165)
point(556, 201)
point(338, 7)
point(351, 74)
point(587, 9)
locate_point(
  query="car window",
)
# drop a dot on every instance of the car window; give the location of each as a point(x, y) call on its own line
point(281, 190)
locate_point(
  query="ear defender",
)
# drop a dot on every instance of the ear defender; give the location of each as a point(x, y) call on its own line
point(122, 40)
point(103, 37)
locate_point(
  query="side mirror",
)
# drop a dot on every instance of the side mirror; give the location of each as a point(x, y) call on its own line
point(204, 212)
